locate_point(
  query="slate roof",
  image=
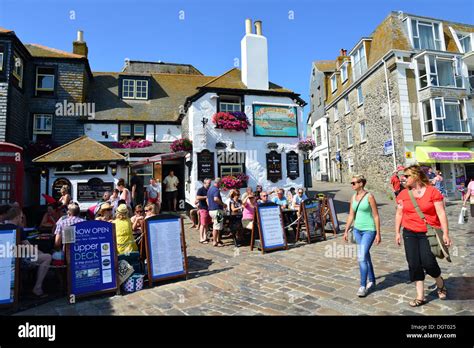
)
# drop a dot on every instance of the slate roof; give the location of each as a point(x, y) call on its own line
point(326, 65)
point(4, 30)
point(168, 92)
point(83, 149)
point(41, 51)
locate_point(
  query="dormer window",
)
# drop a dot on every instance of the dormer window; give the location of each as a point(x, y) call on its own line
point(333, 83)
point(229, 103)
point(135, 88)
point(426, 35)
point(439, 70)
point(344, 72)
point(359, 61)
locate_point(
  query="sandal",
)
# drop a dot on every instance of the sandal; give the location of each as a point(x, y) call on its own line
point(203, 242)
point(417, 303)
point(442, 292)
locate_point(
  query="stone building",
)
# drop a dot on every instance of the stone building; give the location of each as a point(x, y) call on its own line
point(401, 96)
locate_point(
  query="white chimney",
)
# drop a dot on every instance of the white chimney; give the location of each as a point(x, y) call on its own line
point(254, 52)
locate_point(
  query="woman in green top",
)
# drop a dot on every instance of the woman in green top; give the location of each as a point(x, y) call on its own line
point(363, 212)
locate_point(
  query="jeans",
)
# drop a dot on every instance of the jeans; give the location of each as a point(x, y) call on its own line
point(364, 240)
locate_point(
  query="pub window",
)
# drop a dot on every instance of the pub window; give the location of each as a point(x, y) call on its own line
point(18, 68)
point(42, 124)
point(125, 130)
point(231, 169)
point(90, 168)
point(139, 130)
point(44, 81)
point(228, 103)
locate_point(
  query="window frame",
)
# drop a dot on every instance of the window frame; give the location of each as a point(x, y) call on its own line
point(431, 75)
point(45, 90)
point(360, 95)
point(344, 67)
point(338, 142)
point(437, 118)
point(347, 106)
point(42, 131)
point(359, 68)
point(134, 89)
point(415, 23)
point(363, 136)
point(350, 140)
point(336, 113)
point(333, 79)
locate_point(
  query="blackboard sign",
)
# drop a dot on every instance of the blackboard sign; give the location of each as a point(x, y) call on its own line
point(205, 165)
point(58, 184)
point(9, 265)
point(270, 228)
point(292, 165)
point(311, 214)
point(165, 248)
point(93, 190)
point(274, 166)
point(92, 259)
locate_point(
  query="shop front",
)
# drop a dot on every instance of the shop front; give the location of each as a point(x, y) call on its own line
point(451, 161)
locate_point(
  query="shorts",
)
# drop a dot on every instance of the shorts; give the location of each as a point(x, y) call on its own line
point(247, 223)
point(172, 194)
point(154, 200)
point(204, 217)
point(217, 219)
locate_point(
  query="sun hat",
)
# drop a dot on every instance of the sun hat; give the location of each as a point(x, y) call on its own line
point(105, 206)
point(122, 209)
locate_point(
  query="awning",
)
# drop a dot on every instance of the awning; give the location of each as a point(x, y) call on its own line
point(161, 157)
point(432, 154)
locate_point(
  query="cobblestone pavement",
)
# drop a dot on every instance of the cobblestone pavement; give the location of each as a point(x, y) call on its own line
point(306, 279)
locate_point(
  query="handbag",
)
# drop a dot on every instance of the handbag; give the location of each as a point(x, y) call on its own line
point(434, 235)
point(351, 229)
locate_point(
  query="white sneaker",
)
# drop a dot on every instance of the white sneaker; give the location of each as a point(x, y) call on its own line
point(362, 292)
point(370, 286)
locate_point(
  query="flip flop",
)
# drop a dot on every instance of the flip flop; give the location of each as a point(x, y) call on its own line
point(43, 295)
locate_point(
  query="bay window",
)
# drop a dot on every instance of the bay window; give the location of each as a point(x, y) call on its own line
point(445, 115)
point(439, 71)
point(465, 40)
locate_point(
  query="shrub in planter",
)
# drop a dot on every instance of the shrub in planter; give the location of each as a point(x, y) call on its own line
point(230, 182)
point(183, 144)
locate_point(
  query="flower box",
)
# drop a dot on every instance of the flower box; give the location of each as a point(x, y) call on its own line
point(237, 120)
point(230, 182)
point(133, 144)
point(183, 144)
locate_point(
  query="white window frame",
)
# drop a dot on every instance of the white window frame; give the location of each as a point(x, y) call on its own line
point(442, 46)
point(317, 133)
point(350, 140)
point(37, 131)
point(430, 75)
point(359, 66)
point(344, 74)
point(347, 106)
point(121, 133)
point(338, 142)
point(37, 79)
point(18, 74)
point(333, 83)
point(442, 116)
point(134, 92)
point(1, 61)
point(239, 168)
point(336, 113)
point(360, 96)
point(363, 136)
point(142, 134)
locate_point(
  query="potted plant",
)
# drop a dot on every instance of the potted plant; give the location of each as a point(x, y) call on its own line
point(230, 182)
point(183, 144)
point(133, 143)
point(306, 145)
point(236, 120)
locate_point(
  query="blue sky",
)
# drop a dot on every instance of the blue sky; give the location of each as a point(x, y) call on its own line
point(209, 36)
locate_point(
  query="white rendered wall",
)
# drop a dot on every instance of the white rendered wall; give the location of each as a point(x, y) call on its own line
point(254, 51)
point(167, 133)
point(94, 131)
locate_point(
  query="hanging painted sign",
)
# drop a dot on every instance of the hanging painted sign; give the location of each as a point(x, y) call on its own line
point(275, 121)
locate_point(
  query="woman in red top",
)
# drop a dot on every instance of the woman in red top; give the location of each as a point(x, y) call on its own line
point(417, 248)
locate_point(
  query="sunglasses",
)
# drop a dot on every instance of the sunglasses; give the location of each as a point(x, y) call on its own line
point(148, 210)
point(264, 195)
point(138, 211)
point(355, 182)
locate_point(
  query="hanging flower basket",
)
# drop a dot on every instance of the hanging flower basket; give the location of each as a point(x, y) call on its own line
point(237, 120)
point(133, 144)
point(306, 145)
point(234, 182)
point(183, 144)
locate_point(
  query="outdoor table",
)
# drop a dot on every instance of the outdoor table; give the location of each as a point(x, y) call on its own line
point(44, 241)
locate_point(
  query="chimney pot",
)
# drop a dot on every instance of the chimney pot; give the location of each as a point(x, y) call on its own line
point(248, 26)
point(80, 46)
point(258, 28)
point(80, 36)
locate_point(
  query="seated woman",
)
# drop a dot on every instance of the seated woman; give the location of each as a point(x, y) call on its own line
point(105, 212)
point(15, 216)
point(137, 220)
point(123, 231)
point(48, 223)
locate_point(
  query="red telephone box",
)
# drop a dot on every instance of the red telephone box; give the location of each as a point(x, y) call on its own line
point(11, 173)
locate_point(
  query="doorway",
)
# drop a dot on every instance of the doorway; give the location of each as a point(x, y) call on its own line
point(177, 166)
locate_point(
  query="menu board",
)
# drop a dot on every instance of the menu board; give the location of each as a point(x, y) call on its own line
point(292, 165)
point(92, 259)
point(8, 266)
point(332, 211)
point(271, 230)
point(205, 165)
point(93, 190)
point(274, 166)
point(165, 247)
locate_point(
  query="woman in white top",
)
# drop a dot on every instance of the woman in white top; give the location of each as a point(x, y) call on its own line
point(124, 192)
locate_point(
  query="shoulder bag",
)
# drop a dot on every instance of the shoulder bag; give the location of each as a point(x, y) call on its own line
point(434, 235)
point(351, 229)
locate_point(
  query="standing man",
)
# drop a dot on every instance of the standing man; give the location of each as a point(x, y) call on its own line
point(204, 218)
point(70, 219)
point(137, 187)
point(153, 193)
point(395, 182)
point(216, 211)
point(171, 187)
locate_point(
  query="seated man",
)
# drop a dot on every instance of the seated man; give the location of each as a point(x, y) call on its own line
point(14, 216)
point(300, 197)
point(70, 219)
point(280, 199)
